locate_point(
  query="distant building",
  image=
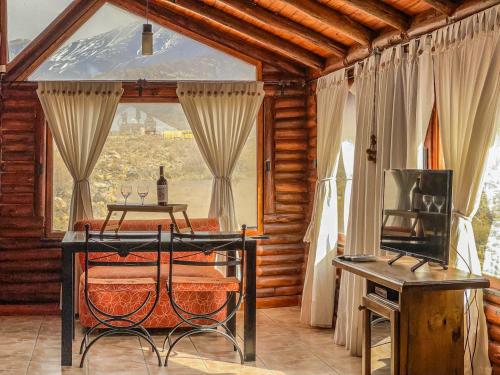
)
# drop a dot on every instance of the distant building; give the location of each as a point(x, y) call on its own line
point(137, 124)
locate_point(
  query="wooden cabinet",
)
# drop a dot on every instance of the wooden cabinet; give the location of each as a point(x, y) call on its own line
point(426, 314)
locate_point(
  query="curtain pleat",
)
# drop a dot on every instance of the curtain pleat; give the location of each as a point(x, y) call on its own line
point(322, 233)
point(467, 73)
point(221, 116)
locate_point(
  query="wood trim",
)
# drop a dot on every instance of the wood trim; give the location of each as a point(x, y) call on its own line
point(4, 42)
point(333, 19)
point(382, 11)
point(265, 39)
point(444, 6)
point(263, 15)
point(260, 160)
point(207, 34)
point(54, 35)
point(268, 147)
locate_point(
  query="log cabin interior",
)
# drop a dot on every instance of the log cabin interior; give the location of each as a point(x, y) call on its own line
point(222, 187)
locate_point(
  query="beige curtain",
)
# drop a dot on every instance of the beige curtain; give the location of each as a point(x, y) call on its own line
point(467, 71)
point(221, 116)
point(395, 85)
point(418, 97)
point(360, 237)
point(79, 115)
point(322, 233)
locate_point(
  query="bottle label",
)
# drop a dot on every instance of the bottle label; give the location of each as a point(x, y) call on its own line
point(162, 194)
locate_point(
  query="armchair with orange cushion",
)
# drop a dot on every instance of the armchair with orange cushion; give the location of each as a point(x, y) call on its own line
point(118, 290)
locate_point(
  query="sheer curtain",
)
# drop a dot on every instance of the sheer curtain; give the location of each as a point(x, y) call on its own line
point(467, 76)
point(391, 88)
point(221, 116)
point(322, 233)
point(80, 115)
point(359, 238)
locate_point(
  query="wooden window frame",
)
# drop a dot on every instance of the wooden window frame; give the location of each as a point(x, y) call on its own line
point(154, 92)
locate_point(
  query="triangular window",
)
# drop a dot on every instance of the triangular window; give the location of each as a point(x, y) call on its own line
point(108, 47)
point(27, 19)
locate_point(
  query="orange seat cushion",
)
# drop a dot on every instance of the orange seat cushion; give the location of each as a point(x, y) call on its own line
point(186, 278)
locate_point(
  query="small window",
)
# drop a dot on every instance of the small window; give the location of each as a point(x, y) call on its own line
point(143, 137)
point(27, 19)
point(486, 222)
point(108, 47)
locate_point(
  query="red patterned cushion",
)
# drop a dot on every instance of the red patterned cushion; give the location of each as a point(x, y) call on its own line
point(199, 225)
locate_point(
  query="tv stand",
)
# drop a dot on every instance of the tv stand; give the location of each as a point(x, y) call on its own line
point(425, 310)
point(420, 263)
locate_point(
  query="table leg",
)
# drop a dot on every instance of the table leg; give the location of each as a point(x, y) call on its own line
point(250, 333)
point(121, 221)
point(105, 224)
point(188, 222)
point(172, 218)
point(67, 317)
point(230, 272)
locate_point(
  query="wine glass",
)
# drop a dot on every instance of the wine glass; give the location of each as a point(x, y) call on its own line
point(142, 190)
point(439, 202)
point(126, 190)
point(427, 199)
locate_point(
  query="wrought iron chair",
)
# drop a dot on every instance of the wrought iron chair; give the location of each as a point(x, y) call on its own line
point(230, 248)
point(123, 245)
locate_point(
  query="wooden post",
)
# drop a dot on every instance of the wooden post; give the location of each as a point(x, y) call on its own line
point(4, 51)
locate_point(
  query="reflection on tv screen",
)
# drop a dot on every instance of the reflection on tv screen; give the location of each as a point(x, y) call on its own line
point(416, 213)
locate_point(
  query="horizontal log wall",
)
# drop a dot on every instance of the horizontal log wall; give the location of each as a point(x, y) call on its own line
point(492, 311)
point(30, 264)
point(280, 259)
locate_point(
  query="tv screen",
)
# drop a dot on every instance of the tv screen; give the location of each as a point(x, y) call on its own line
point(416, 213)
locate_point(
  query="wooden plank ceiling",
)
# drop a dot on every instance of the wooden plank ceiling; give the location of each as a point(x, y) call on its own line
point(309, 33)
point(292, 35)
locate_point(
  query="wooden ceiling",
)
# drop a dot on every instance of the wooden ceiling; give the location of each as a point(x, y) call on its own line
point(298, 36)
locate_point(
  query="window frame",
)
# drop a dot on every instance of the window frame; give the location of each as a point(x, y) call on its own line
point(153, 92)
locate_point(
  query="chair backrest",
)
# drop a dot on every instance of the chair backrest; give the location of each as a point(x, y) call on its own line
point(230, 248)
point(210, 225)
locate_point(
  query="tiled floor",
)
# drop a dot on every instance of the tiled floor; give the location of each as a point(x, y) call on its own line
point(30, 345)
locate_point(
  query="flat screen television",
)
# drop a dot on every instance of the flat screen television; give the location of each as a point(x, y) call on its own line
point(416, 215)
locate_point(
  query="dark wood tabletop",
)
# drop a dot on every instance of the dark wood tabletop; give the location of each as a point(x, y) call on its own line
point(398, 275)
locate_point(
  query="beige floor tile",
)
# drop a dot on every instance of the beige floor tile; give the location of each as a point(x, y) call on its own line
point(31, 345)
point(45, 368)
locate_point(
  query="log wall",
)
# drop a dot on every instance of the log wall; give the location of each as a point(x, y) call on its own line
point(30, 263)
point(492, 310)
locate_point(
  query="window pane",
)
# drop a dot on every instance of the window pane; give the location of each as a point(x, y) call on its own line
point(143, 137)
point(27, 19)
point(108, 47)
point(486, 222)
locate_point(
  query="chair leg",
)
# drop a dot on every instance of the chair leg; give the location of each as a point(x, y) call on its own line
point(228, 336)
point(121, 331)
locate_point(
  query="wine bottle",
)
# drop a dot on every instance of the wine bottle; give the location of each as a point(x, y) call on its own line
point(416, 196)
point(162, 189)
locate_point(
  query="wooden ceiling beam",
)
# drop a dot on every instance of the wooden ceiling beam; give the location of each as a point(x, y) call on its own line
point(382, 11)
point(207, 34)
point(261, 14)
point(54, 35)
point(444, 6)
point(333, 19)
point(260, 36)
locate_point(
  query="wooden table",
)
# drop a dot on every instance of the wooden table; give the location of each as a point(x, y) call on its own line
point(427, 320)
point(74, 243)
point(171, 209)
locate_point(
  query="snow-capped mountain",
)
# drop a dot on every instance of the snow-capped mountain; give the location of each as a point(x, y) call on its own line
point(116, 54)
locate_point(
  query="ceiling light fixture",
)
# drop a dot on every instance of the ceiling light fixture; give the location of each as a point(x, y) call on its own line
point(147, 34)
